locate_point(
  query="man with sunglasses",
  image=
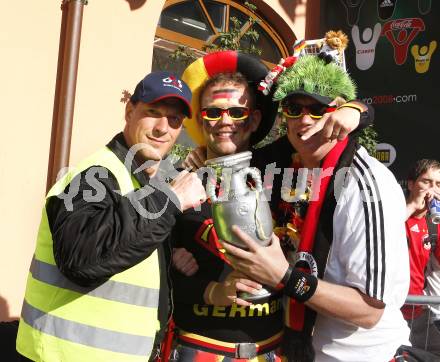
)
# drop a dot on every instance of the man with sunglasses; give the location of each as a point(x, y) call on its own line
point(211, 321)
point(347, 273)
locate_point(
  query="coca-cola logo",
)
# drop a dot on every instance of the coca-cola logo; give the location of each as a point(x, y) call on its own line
point(401, 24)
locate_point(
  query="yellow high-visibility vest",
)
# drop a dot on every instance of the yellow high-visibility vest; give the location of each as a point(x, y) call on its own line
point(114, 322)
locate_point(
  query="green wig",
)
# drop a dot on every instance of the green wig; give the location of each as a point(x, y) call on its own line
point(313, 75)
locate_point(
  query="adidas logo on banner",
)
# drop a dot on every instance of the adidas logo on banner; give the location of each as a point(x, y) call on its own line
point(386, 3)
point(415, 228)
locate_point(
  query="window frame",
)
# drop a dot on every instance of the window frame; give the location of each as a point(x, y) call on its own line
point(186, 40)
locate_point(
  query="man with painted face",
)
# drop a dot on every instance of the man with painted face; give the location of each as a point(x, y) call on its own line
point(211, 322)
point(347, 274)
point(231, 117)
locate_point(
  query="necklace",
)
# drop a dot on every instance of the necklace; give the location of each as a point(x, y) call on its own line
point(290, 215)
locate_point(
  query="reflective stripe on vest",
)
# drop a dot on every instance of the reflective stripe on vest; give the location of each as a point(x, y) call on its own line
point(111, 290)
point(113, 322)
point(86, 335)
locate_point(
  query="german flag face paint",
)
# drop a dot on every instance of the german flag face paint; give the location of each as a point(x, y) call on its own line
point(226, 119)
point(225, 93)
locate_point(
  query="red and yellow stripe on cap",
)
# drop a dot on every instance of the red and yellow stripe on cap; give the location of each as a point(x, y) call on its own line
point(195, 75)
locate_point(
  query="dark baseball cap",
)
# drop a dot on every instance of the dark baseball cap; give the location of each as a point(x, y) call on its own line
point(161, 85)
point(315, 96)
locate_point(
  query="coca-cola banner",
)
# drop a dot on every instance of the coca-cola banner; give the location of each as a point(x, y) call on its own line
point(393, 55)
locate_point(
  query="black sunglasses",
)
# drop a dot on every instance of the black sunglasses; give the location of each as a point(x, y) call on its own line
point(315, 111)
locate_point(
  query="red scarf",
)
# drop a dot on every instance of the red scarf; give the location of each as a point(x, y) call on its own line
point(295, 315)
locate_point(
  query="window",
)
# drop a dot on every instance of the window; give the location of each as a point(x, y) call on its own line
point(196, 23)
point(187, 18)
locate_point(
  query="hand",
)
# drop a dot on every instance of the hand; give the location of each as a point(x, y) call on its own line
point(184, 262)
point(225, 293)
point(188, 189)
point(266, 264)
point(418, 202)
point(430, 195)
point(195, 159)
point(335, 125)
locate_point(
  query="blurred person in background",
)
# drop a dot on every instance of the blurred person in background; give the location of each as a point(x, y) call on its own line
point(423, 239)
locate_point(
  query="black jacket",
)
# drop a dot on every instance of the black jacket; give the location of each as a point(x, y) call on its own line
point(96, 240)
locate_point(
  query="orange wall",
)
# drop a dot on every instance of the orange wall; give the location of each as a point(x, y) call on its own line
point(293, 12)
point(29, 49)
point(115, 54)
